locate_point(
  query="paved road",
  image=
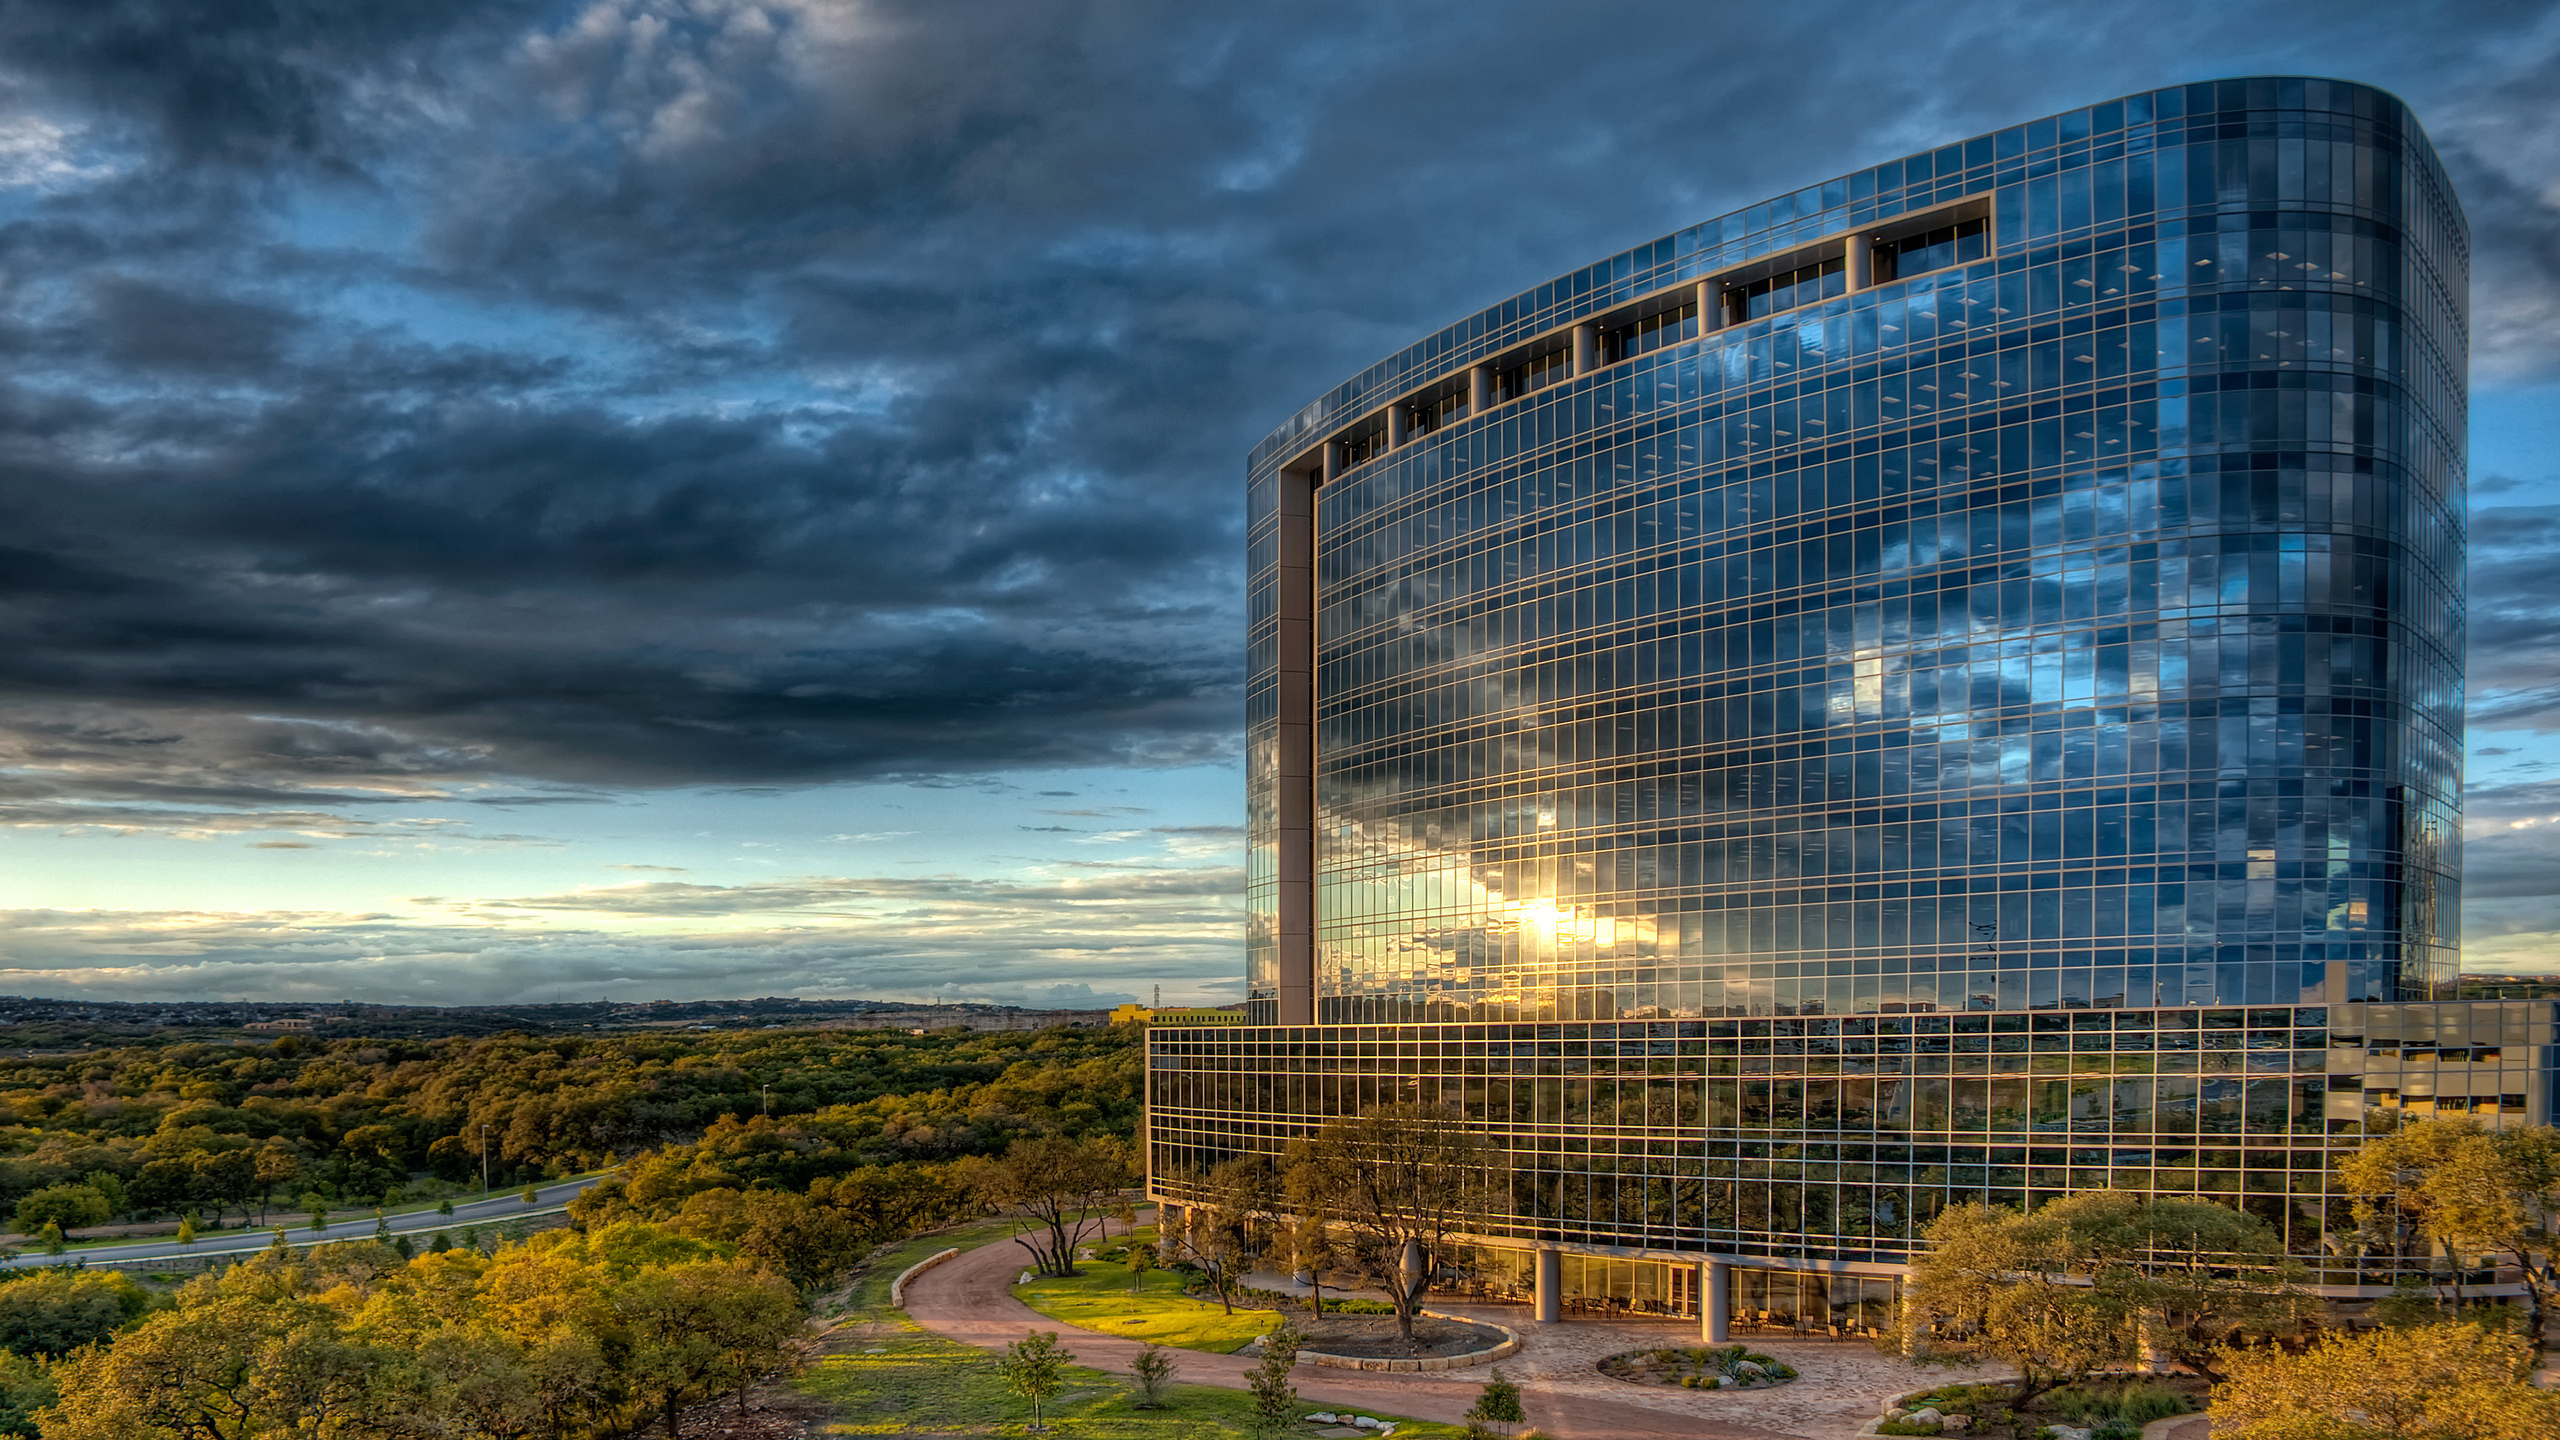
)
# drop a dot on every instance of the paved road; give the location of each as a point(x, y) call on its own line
point(970, 1299)
point(498, 1208)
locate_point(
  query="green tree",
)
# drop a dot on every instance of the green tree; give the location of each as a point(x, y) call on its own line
point(2436, 1382)
point(1500, 1402)
point(1401, 1180)
point(223, 1174)
point(1142, 1258)
point(1275, 1400)
point(227, 1366)
point(1153, 1369)
point(54, 1311)
point(1309, 1242)
point(2080, 1281)
point(277, 1167)
point(2193, 1275)
point(71, 1206)
point(2000, 1284)
point(806, 1242)
point(26, 1387)
point(702, 1328)
point(1059, 1191)
point(1035, 1367)
point(1231, 1223)
point(2466, 1190)
point(476, 1380)
point(1497, 1411)
point(119, 1202)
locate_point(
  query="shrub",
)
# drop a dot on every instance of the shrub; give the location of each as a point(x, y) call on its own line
point(2142, 1404)
point(1906, 1427)
point(2082, 1407)
point(1153, 1370)
point(69, 1206)
point(53, 1312)
point(1035, 1368)
point(1274, 1398)
point(1499, 1402)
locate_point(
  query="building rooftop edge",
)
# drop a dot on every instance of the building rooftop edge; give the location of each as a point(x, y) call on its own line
point(1673, 257)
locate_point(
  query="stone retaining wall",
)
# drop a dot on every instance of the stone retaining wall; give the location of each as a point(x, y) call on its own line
point(1510, 1345)
point(898, 1287)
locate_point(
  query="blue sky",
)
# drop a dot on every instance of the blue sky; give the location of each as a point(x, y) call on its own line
point(530, 501)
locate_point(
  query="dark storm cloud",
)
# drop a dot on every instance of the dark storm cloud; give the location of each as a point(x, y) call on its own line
point(2515, 616)
point(407, 398)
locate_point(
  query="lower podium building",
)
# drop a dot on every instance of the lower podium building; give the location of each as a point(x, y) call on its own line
point(1946, 684)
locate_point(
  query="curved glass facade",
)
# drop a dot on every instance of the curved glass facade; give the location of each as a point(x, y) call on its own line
point(2024, 576)
point(1942, 685)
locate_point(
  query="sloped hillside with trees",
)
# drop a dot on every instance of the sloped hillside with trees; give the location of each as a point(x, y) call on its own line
point(239, 1129)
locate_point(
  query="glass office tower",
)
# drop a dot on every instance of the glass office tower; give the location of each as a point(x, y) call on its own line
point(1944, 683)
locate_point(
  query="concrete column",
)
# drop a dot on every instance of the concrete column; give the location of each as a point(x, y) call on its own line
point(1715, 1304)
point(1397, 421)
point(1583, 337)
point(1861, 255)
point(1710, 307)
point(1479, 389)
point(1332, 459)
point(1550, 1286)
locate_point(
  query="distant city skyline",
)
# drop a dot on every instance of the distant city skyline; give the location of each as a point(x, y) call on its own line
point(525, 500)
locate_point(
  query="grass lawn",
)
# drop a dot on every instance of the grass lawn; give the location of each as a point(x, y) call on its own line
point(901, 1379)
point(920, 1383)
point(1102, 1299)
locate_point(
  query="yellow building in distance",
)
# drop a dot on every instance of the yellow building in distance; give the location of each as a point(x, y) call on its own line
point(1177, 1015)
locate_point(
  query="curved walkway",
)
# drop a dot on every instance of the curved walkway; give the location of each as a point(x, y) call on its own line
point(970, 1299)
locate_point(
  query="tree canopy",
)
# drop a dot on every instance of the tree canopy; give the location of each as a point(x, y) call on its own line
point(566, 1337)
point(2435, 1382)
point(1400, 1179)
point(210, 1128)
point(2083, 1280)
point(2465, 1190)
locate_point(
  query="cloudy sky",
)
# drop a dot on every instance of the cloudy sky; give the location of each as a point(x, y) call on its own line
point(716, 497)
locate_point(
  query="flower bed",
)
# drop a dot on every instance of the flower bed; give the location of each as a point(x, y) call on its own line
point(1699, 1367)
